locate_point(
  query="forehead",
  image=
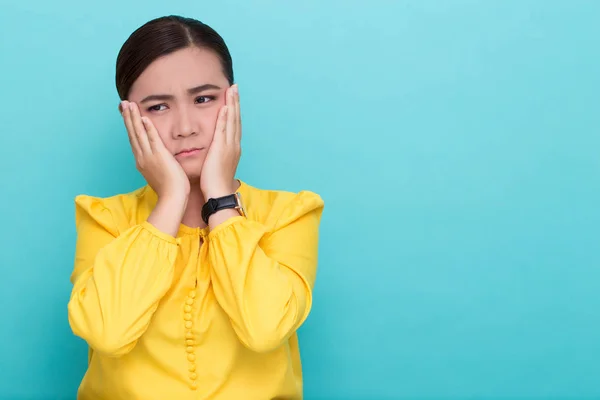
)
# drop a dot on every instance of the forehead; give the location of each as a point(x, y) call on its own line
point(180, 71)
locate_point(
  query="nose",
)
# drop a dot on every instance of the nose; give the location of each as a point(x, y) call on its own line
point(184, 126)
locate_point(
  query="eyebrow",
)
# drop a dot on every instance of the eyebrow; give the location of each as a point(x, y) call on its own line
point(192, 91)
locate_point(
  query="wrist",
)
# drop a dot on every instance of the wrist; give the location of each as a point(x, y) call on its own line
point(174, 200)
point(166, 215)
point(217, 192)
point(221, 216)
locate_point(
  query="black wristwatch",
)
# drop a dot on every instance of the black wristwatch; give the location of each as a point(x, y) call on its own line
point(220, 203)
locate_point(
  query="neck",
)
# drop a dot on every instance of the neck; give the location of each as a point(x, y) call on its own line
point(192, 216)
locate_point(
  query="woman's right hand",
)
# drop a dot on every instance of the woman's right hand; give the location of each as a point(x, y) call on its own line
point(156, 164)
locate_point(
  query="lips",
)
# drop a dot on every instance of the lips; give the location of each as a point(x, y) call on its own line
point(186, 152)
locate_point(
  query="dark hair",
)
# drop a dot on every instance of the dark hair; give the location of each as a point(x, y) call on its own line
point(162, 36)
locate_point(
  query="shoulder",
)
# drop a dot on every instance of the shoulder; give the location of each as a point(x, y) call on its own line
point(276, 207)
point(111, 212)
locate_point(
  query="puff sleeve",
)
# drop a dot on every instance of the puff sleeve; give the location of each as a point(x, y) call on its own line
point(118, 277)
point(263, 276)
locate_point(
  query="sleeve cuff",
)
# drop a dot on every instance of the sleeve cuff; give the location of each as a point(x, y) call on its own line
point(224, 225)
point(158, 233)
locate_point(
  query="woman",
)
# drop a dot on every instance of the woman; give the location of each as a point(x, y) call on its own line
point(193, 286)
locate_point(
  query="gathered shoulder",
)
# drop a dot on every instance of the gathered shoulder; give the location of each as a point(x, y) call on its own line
point(114, 212)
point(278, 207)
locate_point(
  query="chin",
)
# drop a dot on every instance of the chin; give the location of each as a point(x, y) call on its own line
point(193, 175)
point(192, 169)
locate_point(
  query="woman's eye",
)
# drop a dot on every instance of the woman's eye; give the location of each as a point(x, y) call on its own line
point(157, 107)
point(204, 99)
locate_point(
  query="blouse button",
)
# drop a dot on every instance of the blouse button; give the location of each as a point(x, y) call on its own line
point(189, 349)
point(189, 301)
point(192, 367)
point(192, 294)
point(189, 335)
point(191, 358)
point(189, 342)
point(187, 316)
point(188, 324)
point(194, 386)
point(193, 376)
point(187, 308)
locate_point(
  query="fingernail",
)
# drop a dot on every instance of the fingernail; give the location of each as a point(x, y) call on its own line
point(131, 106)
point(122, 106)
point(235, 89)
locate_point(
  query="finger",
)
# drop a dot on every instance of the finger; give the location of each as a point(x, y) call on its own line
point(126, 113)
point(221, 124)
point(154, 139)
point(231, 116)
point(140, 131)
point(238, 119)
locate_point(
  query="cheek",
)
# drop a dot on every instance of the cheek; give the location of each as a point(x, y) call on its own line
point(209, 120)
point(163, 126)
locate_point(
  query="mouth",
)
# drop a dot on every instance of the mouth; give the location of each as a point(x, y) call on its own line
point(189, 152)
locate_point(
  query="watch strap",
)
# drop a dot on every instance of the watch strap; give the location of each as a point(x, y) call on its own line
point(213, 205)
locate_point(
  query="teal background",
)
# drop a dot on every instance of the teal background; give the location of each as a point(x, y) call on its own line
point(456, 145)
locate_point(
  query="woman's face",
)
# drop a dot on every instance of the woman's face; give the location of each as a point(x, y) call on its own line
point(182, 94)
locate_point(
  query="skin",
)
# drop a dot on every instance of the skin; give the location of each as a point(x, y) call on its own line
point(183, 101)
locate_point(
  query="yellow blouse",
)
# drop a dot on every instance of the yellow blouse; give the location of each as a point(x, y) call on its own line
point(204, 315)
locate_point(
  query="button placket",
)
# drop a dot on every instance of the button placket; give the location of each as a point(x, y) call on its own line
point(189, 338)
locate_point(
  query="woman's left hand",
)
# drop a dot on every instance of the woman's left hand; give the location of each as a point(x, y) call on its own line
point(220, 165)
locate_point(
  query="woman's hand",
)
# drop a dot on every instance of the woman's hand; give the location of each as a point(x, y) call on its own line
point(156, 164)
point(218, 171)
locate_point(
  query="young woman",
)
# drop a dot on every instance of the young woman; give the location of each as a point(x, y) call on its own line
point(193, 286)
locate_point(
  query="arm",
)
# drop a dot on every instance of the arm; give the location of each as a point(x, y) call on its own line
point(264, 279)
point(119, 277)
